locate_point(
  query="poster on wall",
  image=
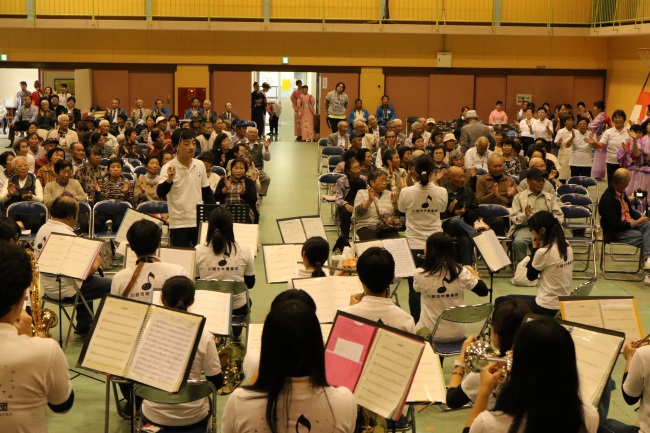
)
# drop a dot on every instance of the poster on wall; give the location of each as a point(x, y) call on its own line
point(68, 81)
point(521, 97)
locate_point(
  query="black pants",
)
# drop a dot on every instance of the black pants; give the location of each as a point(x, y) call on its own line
point(334, 123)
point(345, 220)
point(20, 125)
point(100, 221)
point(258, 118)
point(414, 297)
point(273, 124)
point(580, 171)
point(184, 237)
point(611, 168)
point(368, 234)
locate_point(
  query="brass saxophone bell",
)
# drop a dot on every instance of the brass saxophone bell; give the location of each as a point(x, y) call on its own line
point(231, 357)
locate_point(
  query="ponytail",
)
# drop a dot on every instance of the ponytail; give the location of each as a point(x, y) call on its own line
point(316, 251)
point(424, 166)
point(318, 270)
point(178, 292)
point(220, 231)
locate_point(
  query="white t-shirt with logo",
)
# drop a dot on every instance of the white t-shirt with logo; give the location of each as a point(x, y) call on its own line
point(637, 383)
point(437, 295)
point(375, 308)
point(220, 267)
point(206, 360)
point(422, 206)
point(499, 422)
point(33, 372)
point(555, 277)
point(152, 276)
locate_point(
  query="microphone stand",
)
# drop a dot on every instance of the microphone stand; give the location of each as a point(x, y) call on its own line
point(76, 372)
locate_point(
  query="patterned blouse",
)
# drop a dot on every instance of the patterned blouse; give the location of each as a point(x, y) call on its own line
point(112, 190)
point(87, 176)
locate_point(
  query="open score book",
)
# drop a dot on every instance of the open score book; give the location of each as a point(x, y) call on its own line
point(142, 342)
point(68, 255)
point(377, 363)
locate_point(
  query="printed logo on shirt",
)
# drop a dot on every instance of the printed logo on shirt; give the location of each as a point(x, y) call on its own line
point(565, 264)
point(443, 296)
point(223, 268)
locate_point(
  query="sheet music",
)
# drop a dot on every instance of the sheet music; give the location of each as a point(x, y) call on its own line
point(114, 336)
point(491, 250)
point(71, 256)
point(280, 262)
point(130, 257)
point(596, 353)
point(428, 384)
point(401, 252)
point(292, 231)
point(621, 315)
point(361, 247)
point(130, 217)
point(585, 312)
point(314, 227)
point(329, 293)
point(387, 373)
point(165, 349)
point(186, 257)
point(247, 234)
point(203, 232)
point(216, 307)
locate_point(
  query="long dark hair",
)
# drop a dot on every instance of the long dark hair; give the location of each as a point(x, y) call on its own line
point(531, 394)
point(220, 232)
point(506, 320)
point(317, 250)
point(441, 256)
point(554, 233)
point(424, 167)
point(292, 346)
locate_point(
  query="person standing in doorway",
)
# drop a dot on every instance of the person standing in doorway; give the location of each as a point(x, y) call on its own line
point(258, 107)
point(295, 96)
point(306, 111)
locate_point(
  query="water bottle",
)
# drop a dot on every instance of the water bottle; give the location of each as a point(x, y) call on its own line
point(598, 233)
point(109, 226)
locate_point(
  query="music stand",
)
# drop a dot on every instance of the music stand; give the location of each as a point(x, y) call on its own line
point(493, 254)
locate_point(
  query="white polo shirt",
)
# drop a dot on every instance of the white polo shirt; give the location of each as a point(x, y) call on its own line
point(581, 150)
point(375, 308)
point(613, 139)
point(33, 372)
point(185, 193)
point(49, 284)
point(152, 277)
point(473, 159)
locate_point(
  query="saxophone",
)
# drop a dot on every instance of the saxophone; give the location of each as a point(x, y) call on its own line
point(42, 318)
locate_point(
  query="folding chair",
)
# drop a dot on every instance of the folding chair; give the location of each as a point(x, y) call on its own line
point(585, 288)
point(218, 170)
point(234, 288)
point(460, 314)
point(571, 189)
point(109, 207)
point(104, 162)
point(135, 162)
point(86, 210)
point(585, 222)
point(577, 200)
point(192, 390)
point(515, 178)
point(639, 259)
point(28, 208)
point(126, 169)
point(325, 184)
point(325, 153)
point(585, 182)
point(481, 171)
point(332, 162)
point(128, 176)
point(140, 170)
point(78, 297)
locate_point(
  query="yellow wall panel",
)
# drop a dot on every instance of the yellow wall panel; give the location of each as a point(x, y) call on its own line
point(93, 46)
point(61, 45)
point(13, 7)
point(467, 10)
point(371, 87)
point(517, 11)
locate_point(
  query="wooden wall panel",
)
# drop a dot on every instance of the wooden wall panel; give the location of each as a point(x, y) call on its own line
point(448, 93)
point(351, 81)
point(234, 87)
point(588, 90)
point(408, 95)
point(111, 84)
point(489, 90)
point(150, 86)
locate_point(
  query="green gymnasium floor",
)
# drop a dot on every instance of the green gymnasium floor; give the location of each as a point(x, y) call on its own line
point(293, 192)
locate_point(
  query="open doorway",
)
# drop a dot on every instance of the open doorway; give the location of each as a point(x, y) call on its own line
point(283, 84)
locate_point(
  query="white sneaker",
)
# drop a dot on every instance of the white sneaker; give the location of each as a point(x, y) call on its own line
point(647, 264)
point(646, 280)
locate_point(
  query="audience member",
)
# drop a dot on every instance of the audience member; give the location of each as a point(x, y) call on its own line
point(341, 138)
point(461, 214)
point(370, 207)
point(336, 102)
point(472, 131)
point(146, 184)
point(63, 185)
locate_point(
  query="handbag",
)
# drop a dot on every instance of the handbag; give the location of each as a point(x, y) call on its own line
point(387, 221)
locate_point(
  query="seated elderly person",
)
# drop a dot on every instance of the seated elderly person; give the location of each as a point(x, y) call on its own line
point(527, 203)
point(617, 223)
point(540, 165)
point(478, 155)
point(462, 212)
point(63, 185)
point(495, 187)
point(370, 204)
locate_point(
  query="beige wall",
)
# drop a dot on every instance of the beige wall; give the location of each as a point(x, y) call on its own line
point(625, 72)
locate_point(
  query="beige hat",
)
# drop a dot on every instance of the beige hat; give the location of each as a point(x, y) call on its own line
point(160, 119)
point(431, 120)
point(449, 137)
point(471, 114)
